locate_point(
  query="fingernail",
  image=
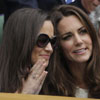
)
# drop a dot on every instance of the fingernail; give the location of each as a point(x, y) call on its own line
point(46, 72)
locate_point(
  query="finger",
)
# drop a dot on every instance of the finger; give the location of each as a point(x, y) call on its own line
point(35, 66)
point(42, 79)
point(40, 70)
point(37, 71)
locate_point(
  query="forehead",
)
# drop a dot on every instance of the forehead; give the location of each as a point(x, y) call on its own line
point(69, 23)
point(47, 28)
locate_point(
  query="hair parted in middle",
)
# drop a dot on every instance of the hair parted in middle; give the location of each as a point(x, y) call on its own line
point(60, 80)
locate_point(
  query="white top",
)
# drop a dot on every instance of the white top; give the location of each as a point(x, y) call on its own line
point(81, 93)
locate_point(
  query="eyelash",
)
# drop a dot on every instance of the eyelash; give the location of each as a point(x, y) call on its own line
point(83, 31)
point(67, 37)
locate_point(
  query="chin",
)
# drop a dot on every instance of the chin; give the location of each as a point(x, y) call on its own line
point(81, 60)
point(47, 62)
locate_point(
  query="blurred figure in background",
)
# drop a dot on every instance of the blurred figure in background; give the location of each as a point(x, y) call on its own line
point(95, 18)
point(86, 5)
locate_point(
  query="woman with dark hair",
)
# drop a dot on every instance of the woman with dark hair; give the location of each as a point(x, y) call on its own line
point(74, 69)
point(26, 47)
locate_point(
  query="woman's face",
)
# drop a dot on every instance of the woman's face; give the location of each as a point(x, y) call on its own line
point(75, 40)
point(45, 52)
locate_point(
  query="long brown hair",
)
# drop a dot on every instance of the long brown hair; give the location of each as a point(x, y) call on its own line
point(19, 37)
point(60, 81)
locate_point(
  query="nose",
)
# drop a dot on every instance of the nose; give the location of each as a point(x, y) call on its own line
point(78, 40)
point(49, 48)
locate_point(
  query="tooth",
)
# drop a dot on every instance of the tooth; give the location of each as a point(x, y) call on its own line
point(79, 50)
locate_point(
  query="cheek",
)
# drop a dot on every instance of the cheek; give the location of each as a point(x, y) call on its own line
point(67, 45)
point(67, 48)
point(90, 43)
point(35, 55)
point(88, 40)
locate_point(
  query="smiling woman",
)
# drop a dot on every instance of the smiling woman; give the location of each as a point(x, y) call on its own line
point(27, 45)
point(75, 41)
point(75, 64)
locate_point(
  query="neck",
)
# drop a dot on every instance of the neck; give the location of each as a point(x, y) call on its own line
point(77, 70)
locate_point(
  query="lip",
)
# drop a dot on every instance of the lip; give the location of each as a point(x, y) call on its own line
point(80, 51)
point(45, 56)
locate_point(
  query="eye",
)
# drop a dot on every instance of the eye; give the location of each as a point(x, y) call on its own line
point(83, 31)
point(67, 37)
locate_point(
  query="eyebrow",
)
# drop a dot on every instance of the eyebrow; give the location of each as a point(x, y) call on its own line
point(67, 33)
point(81, 28)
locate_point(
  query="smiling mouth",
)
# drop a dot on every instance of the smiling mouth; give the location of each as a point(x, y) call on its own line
point(80, 51)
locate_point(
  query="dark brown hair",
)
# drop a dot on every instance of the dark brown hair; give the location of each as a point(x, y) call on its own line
point(19, 37)
point(60, 81)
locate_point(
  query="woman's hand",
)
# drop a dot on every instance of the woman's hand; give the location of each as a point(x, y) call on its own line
point(36, 77)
